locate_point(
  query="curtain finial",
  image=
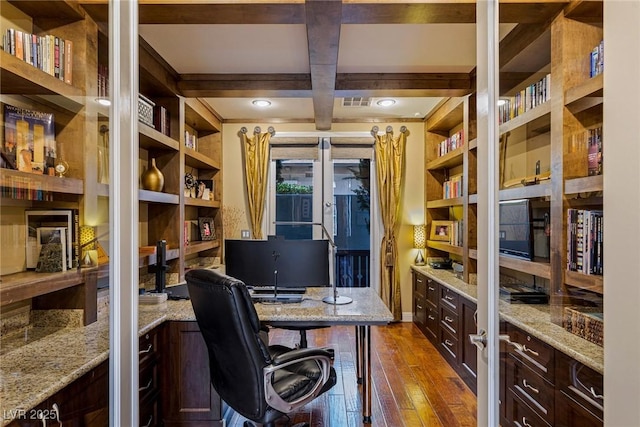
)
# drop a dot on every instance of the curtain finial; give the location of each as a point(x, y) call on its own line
point(389, 129)
point(256, 130)
point(374, 131)
point(403, 129)
point(243, 130)
point(271, 130)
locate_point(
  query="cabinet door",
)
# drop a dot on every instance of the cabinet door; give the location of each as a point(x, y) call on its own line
point(572, 414)
point(187, 395)
point(468, 351)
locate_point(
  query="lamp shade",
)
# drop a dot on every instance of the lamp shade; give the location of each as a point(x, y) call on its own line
point(419, 236)
point(87, 237)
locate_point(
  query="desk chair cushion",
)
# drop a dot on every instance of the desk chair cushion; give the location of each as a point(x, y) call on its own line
point(258, 381)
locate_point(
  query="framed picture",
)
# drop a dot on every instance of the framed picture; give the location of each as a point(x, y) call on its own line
point(441, 230)
point(35, 219)
point(206, 228)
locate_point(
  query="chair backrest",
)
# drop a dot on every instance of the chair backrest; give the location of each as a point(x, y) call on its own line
point(230, 327)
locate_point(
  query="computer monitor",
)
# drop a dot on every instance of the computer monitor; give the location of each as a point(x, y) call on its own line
point(299, 263)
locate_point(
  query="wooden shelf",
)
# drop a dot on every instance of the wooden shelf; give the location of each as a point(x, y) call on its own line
point(158, 197)
point(473, 199)
point(192, 201)
point(473, 143)
point(19, 78)
point(449, 160)
point(446, 247)
point(444, 203)
point(150, 259)
point(584, 185)
point(450, 114)
point(540, 269)
point(587, 282)
point(199, 117)
point(152, 139)
point(531, 191)
point(531, 117)
point(29, 284)
point(198, 160)
point(63, 10)
point(199, 246)
point(586, 95)
point(23, 180)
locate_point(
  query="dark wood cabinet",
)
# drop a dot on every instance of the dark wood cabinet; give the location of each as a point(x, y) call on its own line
point(468, 351)
point(83, 403)
point(188, 399)
point(425, 306)
point(149, 382)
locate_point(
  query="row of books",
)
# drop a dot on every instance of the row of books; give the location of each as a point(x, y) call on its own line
point(456, 234)
point(51, 54)
point(161, 119)
point(103, 81)
point(22, 189)
point(596, 63)
point(451, 143)
point(525, 100)
point(585, 241)
point(452, 188)
point(190, 140)
point(594, 144)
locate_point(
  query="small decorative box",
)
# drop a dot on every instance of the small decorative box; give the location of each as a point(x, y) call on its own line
point(585, 322)
point(145, 110)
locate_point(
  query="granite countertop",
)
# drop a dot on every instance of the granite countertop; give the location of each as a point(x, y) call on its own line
point(534, 319)
point(38, 361)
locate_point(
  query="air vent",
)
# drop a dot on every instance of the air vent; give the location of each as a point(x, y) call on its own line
point(356, 101)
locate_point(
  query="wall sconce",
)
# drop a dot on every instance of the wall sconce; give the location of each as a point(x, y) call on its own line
point(88, 246)
point(419, 241)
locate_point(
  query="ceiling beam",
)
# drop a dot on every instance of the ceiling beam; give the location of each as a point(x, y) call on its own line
point(245, 85)
point(323, 39)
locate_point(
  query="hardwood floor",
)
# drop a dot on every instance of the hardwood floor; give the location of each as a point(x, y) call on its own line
point(412, 383)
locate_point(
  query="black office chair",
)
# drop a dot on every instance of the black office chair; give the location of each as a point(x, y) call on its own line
point(260, 382)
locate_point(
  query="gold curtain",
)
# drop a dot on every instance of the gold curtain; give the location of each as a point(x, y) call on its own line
point(390, 154)
point(256, 164)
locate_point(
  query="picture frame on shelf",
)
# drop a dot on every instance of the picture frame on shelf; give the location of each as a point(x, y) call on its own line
point(441, 230)
point(207, 231)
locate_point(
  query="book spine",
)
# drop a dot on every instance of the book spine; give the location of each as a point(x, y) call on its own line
point(56, 57)
point(68, 62)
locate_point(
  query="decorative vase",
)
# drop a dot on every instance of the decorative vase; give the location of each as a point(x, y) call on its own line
point(152, 179)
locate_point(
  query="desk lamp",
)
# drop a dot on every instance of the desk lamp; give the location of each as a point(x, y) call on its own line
point(419, 242)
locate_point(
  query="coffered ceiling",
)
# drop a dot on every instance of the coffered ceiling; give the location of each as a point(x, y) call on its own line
point(306, 57)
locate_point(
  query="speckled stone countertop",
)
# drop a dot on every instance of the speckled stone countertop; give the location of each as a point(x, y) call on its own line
point(534, 319)
point(37, 362)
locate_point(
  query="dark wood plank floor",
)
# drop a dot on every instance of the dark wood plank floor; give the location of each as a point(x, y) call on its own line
point(412, 383)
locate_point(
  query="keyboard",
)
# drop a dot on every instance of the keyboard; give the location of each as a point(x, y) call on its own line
point(281, 289)
point(281, 298)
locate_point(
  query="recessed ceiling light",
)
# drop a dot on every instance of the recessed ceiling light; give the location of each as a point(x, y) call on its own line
point(103, 101)
point(261, 102)
point(386, 102)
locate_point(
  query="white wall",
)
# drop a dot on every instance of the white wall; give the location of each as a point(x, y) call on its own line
point(412, 210)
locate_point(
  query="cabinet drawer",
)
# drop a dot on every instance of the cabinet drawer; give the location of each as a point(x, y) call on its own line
point(149, 383)
point(580, 383)
point(531, 388)
point(534, 353)
point(432, 323)
point(419, 311)
point(433, 292)
point(449, 346)
point(573, 414)
point(449, 319)
point(148, 345)
point(419, 285)
point(521, 415)
point(449, 298)
point(150, 413)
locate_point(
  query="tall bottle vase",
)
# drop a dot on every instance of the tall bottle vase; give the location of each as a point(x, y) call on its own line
point(152, 179)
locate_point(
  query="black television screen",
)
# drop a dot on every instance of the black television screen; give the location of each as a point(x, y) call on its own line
point(299, 263)
point(516, 228)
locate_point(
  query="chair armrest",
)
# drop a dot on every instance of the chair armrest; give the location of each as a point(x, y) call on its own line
point(301, 353)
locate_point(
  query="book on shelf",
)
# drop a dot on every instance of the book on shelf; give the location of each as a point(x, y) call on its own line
point(452, 188)
point(29, 140)
point(594, 156)
point(52, 249)
point(451, 143)
point(585, 241)
point(596, 64)
point(66, 218)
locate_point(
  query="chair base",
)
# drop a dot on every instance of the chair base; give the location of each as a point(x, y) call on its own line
point(250, 424)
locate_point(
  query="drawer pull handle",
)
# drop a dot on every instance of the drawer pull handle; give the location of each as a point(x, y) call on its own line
point(56, 410)
point(525, 349)
point(148, 424)
point(432, 288)
point(525, 384)
point(431, 317)
point(596, 395)
point(448, 319)
point(447, 297)
point(449, 343)
point(148, 350)
point(418, 306)
point(525, 423)
point(147, 387)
